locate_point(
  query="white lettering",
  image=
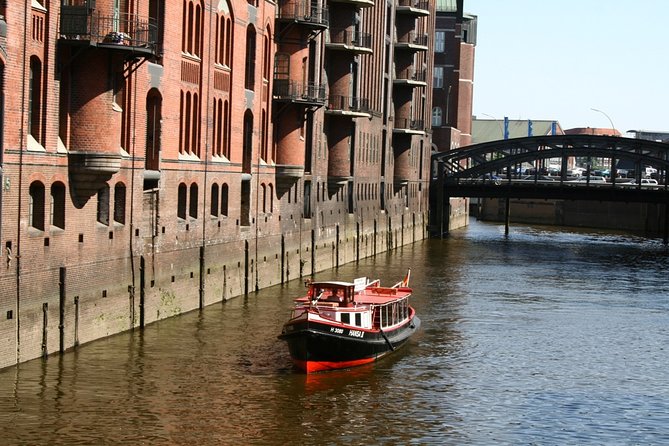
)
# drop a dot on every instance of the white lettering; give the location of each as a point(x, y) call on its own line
point(356, 333)
point(336, 330)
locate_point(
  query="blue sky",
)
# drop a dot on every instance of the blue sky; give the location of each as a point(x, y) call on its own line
point(538, 59)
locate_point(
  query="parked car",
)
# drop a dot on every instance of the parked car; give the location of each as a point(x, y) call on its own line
point(591, 179)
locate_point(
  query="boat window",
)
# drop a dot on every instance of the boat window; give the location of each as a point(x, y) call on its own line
point(358, 319)
point(346, 318)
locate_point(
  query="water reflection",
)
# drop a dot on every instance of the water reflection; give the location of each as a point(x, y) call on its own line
point(545, 336)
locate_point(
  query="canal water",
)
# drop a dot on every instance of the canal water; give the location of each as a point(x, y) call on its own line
point(542, 337)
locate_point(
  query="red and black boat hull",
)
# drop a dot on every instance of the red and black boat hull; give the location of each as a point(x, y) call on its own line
point(316, 346)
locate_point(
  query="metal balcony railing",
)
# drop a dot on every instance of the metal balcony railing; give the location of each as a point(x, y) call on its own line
point(80, 23)
point(411, 74)
point(416, 4)
point(413, 7)
point(351, 38)
point(409, 124)
point(348, 104)
point(412, 38)
point(304, 12)
point(297, 91)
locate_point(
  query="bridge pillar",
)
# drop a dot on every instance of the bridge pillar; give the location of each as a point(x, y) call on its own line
point(507, 216)
point(665, 239)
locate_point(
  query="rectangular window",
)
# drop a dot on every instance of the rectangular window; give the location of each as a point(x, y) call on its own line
point(438, 77)
point(447, 5)
point(181, 201)
point(58, 205)
point(119, 203)
point(307, 199)
point(346, 318)
point(439, 41)
point(358, 319)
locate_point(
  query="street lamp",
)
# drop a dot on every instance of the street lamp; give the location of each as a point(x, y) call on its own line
point(613, 127)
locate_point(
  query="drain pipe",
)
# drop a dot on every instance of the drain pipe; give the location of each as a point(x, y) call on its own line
point(17, 256)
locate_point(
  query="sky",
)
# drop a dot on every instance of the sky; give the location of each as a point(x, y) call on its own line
point(557, 60)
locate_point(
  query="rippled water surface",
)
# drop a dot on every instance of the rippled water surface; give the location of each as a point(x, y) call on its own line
point(544, 337)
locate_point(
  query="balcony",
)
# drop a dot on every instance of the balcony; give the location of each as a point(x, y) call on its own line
point(357, 3)
point(286, 176)
point(409, 126)
point(126, 32)
point(416, 8)
point(410, 77)
point(348, 106)
point(412, 42)
point(90, 171)
point(309, 94)
point(303, 13)
point(353, 41)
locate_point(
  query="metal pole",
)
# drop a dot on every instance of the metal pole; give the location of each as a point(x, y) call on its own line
point(613, 127)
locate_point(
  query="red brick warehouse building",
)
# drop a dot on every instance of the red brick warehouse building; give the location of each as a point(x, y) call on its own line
point(159, 156)
point(453, 85)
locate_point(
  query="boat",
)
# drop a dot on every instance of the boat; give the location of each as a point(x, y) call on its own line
point(340, 325)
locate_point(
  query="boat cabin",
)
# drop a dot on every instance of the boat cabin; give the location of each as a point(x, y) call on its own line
point(339, 293)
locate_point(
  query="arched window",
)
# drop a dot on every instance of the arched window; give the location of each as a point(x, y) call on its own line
point(153, 128)
point(35, 99)
point(271, 197)
point(184, 26)
point(214, 200)
point(58, 205)
point(36, 208)
point(226, 129)
point(263, 137)
point(195, 126)
point(219, 53)
point(247, 149)
point(224, 199)
point(223, 34)
point(250, 66)
point(189, 43)
point(103, 205)
point(119, 203)
point(436, 117)
point(266, 61)
point(263, 191)
point(228, 42)
point(181, 201)
point(198, 30)
point(189, 130)
point(217, 128)
point(192, 208)
point(191, 28)
point(186, 114)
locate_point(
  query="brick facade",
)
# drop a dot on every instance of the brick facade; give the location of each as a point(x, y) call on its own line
point(165, 156)
point(453, 97)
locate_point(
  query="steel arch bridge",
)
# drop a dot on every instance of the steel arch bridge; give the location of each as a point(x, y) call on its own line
point(481, 170)
point(496, 156)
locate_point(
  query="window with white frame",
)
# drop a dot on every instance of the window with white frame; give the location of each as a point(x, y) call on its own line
point(438, 81)
point(436, 117)
point(440, 41)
